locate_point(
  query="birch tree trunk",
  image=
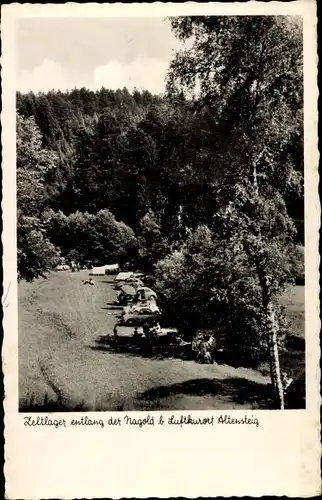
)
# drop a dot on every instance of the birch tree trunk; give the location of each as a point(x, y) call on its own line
point(274, 356)
point(272, 332)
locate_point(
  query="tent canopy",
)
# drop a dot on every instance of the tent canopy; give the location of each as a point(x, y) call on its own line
point(145, 293)
point(111, 267)
point(146, 289)
point(123, 276)
point(98, 271)
point(129, 290)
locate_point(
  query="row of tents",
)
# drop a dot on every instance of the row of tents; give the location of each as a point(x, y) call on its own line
point(103, 270)
point(132, 287)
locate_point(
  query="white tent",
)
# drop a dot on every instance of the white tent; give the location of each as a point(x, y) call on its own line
point(98, 271)
point(123, 276)
point(112, 269)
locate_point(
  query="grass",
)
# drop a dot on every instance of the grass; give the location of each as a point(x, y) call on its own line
point(61, 368)
point(293, 300)
point(293, 361)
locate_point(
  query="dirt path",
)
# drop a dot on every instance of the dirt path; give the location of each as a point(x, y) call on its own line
point(60, 321)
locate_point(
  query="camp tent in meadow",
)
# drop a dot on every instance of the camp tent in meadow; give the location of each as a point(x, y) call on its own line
point(98, 271)
point(128, 290)
point(112, 269)
point(123, 276)
point(145, 293)
point(126, 295)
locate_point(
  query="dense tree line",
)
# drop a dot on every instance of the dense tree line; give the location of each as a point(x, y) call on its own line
point(206, 189)
point(85, 237)
point(36, 253)
point(135, 153)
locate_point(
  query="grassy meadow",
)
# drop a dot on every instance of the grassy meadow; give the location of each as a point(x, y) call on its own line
point(64, 367)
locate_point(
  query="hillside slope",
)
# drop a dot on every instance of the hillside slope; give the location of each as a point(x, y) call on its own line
point(60, 321)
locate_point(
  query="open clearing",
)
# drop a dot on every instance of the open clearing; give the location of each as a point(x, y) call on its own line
point(293, 301)
point(62, 367)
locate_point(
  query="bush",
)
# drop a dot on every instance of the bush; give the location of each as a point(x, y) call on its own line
point(36, 255)
point(152, 243)
point(299, 265)
point(211, 285)
point(87, 237)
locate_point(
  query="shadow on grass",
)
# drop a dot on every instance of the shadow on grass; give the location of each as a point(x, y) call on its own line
point(295, 398)
point(239, 391)
point(293, 363)
point(160, 349)
point(294, 342)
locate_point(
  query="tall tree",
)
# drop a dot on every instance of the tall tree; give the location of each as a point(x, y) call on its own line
point(47, 121)
point(249, 73)
point(33, 164)
point(36, 254)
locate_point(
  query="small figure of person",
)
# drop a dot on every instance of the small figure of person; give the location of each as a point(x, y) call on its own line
point(157, 328)
point(177, 342)
point(201, 354)
point(286, 381)
point(136, 334)
point(146, 329)
point(115, 330)
point(88, 282)
point(207, 357)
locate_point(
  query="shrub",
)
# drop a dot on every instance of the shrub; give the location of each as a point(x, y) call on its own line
point(87, 237)
point(211, 285)
point(36, 255)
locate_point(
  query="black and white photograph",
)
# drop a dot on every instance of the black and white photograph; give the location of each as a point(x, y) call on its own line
point(160, 213)
point(160, 239)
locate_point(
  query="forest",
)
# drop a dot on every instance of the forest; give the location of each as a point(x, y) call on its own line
point(204, 190)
